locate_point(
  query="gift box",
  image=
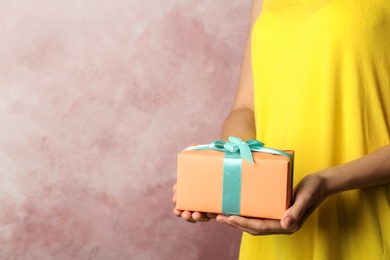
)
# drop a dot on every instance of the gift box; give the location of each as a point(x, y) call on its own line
point(235, 178)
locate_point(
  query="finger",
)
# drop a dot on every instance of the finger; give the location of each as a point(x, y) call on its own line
point(254, 226)
point(293, 215)
point(174, 198)
point(294, 226)
point(186, 215)
point(202, 217)
point(177, 212)
point(174, 194)
point(303, 206)
point(197, 216)
point(223, 219)
point(257, 226)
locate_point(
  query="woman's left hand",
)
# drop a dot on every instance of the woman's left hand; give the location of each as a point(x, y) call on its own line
point(308, 195)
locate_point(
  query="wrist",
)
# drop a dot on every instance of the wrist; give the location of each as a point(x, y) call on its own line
point(331, 180)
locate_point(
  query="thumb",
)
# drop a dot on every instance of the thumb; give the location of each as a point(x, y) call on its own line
point(293, 216)
point(287, 221)
point(308, 195)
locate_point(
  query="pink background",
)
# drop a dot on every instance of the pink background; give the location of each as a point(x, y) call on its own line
point(96, 99)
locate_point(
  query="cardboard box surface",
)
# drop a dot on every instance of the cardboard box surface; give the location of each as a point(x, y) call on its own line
point(266, 185)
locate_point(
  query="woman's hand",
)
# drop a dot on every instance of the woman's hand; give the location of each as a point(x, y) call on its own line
point(189, 216)
point(308, 195)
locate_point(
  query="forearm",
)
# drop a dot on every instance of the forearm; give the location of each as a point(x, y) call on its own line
point(239, 123)
point(370, 170)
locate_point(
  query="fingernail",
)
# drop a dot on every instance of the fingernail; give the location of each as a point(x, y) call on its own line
point(220, 220)
point(288, 222)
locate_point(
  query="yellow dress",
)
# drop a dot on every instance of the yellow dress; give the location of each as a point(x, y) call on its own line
point(321, 74)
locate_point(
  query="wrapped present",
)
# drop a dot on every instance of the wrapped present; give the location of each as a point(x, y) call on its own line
point(235, 178)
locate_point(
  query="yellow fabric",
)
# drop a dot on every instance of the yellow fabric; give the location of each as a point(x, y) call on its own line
point(322, 88)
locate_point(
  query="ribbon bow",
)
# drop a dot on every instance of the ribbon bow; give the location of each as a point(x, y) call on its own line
point(236, 145)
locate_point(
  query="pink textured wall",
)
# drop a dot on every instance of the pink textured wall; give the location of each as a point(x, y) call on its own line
point(96, 99)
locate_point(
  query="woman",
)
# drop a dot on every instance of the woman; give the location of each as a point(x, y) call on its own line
point(316, 79)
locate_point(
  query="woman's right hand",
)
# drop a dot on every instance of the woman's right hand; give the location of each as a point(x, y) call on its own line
point(190, 216)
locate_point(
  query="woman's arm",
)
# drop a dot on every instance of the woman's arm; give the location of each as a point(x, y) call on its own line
point(370, 170)
point(240, 122)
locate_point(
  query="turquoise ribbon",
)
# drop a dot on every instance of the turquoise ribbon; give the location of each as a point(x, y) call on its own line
point(235, 151)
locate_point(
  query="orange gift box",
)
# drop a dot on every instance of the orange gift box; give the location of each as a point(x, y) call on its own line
point(265, 188)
